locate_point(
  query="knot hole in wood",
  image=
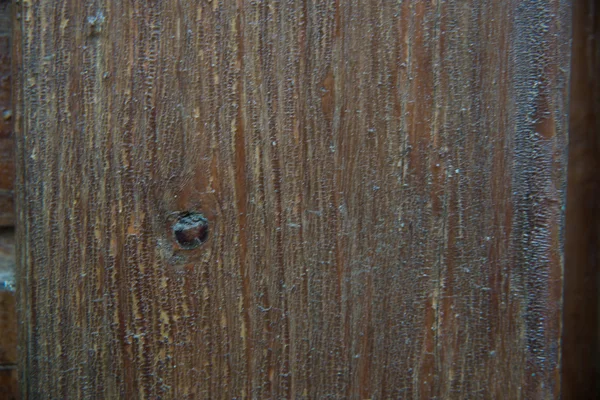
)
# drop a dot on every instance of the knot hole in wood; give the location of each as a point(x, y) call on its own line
point(190, 229)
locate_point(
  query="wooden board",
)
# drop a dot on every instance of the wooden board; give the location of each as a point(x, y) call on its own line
point(581, 337)
point(383, 184)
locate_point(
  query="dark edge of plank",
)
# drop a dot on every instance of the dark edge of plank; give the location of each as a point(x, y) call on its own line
point(7, 159)
point(19, 196)
point(580, 357)
point(8, 320)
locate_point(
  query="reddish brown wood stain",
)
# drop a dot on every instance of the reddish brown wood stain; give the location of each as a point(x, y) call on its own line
point(384, 211)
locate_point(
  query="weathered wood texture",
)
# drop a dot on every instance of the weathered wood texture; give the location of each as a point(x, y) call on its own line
point(581, 347)
point(384, 184)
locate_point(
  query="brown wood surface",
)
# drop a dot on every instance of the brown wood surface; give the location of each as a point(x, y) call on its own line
point(581, 347)
point(9, 388)
point(383, 184)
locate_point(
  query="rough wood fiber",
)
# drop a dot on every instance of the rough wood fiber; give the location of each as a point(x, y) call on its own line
point(383, 182)
point(581, 339)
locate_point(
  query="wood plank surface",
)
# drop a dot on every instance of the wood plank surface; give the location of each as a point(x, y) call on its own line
point(383, 184)
point(581, 337)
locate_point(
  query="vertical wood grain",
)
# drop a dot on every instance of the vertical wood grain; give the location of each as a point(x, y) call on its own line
point(384, 185)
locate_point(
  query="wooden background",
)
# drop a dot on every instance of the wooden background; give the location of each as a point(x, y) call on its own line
point(384, 184)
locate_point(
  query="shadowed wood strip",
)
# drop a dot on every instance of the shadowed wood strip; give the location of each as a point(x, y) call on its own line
point(581, 350)
point(7, 156)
